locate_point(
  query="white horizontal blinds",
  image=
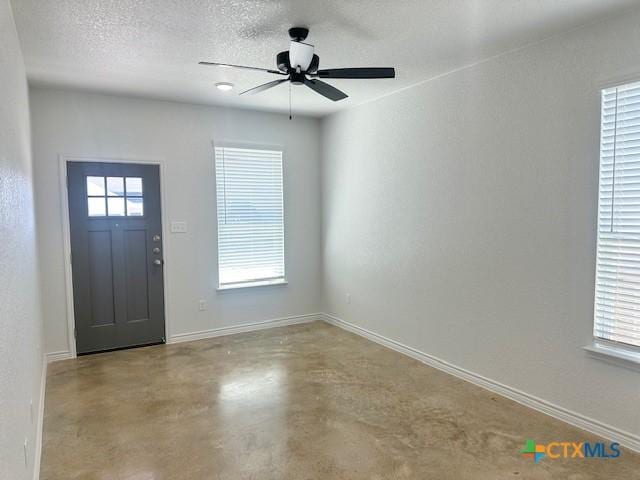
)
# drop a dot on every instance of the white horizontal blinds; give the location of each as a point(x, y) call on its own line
point(250, 215)
point(617, 302)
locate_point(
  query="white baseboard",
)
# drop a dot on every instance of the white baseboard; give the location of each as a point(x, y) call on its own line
point(218, 332)
point(37, 455)
point(626, 439)
point(56, 356)
point(247, 327)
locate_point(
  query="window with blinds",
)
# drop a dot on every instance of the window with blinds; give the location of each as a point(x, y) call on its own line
point(250, 217)
point(617, 296)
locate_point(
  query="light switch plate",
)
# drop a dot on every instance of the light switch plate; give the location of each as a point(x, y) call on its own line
point(179, 227)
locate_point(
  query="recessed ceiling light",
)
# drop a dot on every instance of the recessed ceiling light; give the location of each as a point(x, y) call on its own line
point(225, 86)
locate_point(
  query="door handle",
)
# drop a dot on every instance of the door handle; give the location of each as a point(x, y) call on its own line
point(158, 262)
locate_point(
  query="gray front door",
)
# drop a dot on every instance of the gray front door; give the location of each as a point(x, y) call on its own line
point(116, 255)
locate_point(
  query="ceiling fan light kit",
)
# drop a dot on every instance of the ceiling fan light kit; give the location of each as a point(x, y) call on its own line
point(300, 55)
point(299, 65)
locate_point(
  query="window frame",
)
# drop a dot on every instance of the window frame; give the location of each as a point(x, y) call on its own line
point(612, 352)
point(263, 282)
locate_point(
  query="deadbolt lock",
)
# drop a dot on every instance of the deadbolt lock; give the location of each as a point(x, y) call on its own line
point(156, 238)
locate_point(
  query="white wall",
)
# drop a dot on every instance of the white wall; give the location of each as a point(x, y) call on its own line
point(67, 122)
point(20, 321)
point(461, 216)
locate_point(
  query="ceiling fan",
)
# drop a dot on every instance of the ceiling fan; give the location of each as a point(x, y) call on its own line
point(300, 67)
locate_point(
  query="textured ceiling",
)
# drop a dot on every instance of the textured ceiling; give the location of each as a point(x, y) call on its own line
point(151, 47)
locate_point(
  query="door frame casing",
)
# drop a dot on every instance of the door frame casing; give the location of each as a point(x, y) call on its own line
point(63, 160)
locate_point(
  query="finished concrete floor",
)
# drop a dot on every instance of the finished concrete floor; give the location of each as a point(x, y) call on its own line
point(304, 402)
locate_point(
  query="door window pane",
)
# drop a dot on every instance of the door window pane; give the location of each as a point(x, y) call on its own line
point(134, 187)
point(135, 206)
point(95, 186)
point(110, 201)
point(116, 206)
point(115, 186)
point(96, 207)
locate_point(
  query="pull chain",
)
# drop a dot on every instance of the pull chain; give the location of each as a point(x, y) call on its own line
point(290, 117)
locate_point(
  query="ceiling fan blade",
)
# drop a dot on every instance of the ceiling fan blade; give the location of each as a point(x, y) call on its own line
point(373, 72)
point(215, 64)
point(326, 90)
point(265, 86)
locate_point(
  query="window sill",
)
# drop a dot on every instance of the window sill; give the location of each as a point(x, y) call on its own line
point(620, 355)
point(261, 283)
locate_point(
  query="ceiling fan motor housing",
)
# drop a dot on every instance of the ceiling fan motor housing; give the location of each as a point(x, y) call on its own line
point(282, 61)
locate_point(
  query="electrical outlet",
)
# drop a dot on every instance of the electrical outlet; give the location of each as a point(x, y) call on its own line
point(348, 297)
point(26, 452)
point(202, 305)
